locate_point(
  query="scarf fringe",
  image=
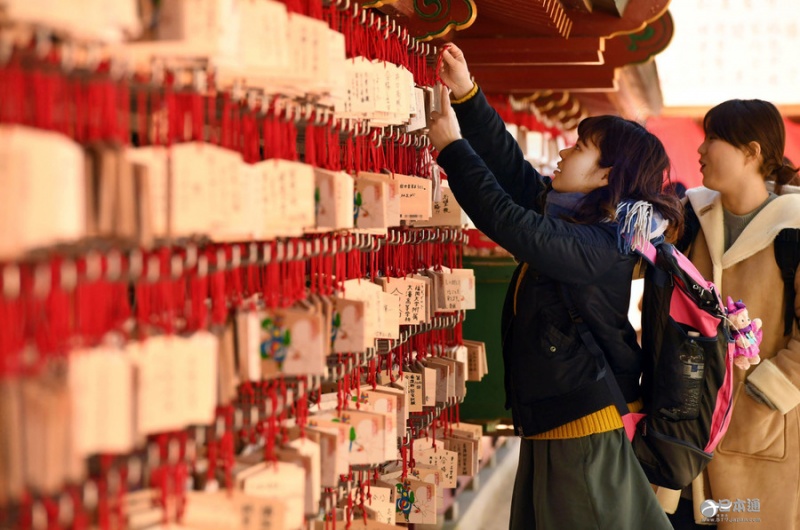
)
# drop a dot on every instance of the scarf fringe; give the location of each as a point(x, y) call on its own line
point(638, 223)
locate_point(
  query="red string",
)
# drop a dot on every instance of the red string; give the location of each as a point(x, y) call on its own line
point(219, 308)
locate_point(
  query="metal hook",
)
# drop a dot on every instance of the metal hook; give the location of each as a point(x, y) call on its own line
point(236, 258)
point(377, 137)
point(94, 266)
point(220, 264)
point(252, 255)
point(153, 269)
point(202, 266)
point(266, 252)
point(176, 266)
point(319, 118)
point(69, 275)
point(282, 110)
point(113, 266)
point(306, 111)
point(253, 102)
point(191, 256)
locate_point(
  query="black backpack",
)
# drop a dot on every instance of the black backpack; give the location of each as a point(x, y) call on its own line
point(787, 255)
point(687, 377)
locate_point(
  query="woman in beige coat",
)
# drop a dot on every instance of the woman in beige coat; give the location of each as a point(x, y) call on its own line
point(753, 480)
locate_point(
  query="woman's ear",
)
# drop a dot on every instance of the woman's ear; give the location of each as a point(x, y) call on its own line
point(754, 149)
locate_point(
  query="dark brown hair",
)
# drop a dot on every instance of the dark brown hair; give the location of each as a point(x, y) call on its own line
point(640, 169)
point(741, 121)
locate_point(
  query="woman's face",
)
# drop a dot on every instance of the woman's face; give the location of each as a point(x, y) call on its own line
point(721, 164)
point(579, 170)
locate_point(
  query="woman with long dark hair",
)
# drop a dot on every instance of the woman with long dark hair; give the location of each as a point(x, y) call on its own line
point(573, 235)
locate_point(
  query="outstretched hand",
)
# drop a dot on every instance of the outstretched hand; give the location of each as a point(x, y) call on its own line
point(454, 71)
point(444, 128)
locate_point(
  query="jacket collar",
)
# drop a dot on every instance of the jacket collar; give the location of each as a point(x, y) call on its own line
point(783, 212)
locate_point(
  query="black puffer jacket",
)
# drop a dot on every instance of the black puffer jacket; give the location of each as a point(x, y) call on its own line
point(550, 376)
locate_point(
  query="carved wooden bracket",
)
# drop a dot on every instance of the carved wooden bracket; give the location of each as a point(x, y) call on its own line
point(640, 47)
point(429, 19)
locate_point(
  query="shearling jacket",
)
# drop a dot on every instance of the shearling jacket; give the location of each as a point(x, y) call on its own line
point(551, 377)
point(759, 458)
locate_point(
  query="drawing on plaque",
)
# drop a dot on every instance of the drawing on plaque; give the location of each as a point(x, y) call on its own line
point(358, 208)
point(353, 437)
point(336, 327)
point(405, 499)
point(319, 208)
point(275, 340)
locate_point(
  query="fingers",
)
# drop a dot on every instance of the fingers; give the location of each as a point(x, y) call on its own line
point(445, 98)
point(452, 60)
point(455, 51)
point(449, 59)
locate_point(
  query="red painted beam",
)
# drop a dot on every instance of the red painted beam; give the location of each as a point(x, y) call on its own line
point(510, 79)
point(531, 51)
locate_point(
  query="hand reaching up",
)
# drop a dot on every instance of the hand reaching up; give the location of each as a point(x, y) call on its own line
point(444, 127)
point(454, 71)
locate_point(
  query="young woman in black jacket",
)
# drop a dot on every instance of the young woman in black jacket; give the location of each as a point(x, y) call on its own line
point(575, 231)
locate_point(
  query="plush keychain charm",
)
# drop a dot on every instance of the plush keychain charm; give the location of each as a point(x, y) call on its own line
point(746, 334)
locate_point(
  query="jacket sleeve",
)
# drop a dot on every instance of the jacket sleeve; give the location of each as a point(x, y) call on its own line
point(486, 132)
point(564, 251)
point(778, 379)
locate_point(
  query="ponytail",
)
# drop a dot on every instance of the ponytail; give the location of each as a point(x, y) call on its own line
point(784, 174)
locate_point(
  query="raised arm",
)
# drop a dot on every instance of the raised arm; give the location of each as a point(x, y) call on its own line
point(564, 251)
point(483, 128)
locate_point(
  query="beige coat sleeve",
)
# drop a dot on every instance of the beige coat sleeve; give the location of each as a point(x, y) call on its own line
point(778, 378)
